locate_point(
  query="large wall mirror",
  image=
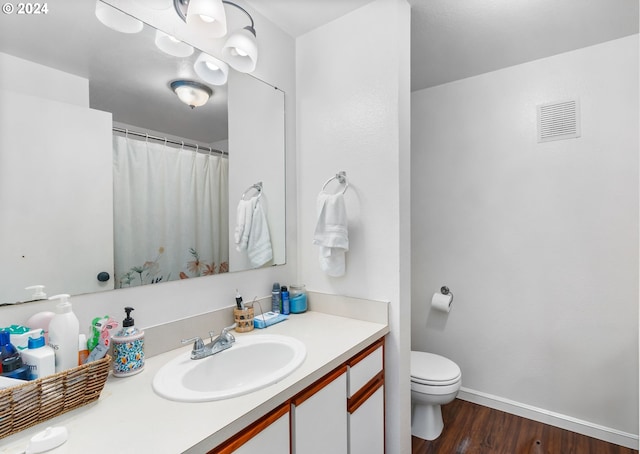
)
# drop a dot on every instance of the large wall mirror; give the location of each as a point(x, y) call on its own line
point(108, 180)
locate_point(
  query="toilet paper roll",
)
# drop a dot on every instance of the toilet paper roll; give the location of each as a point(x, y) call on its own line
point(442, 302)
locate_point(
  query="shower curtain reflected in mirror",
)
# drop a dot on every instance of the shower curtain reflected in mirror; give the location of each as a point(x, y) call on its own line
point(170, 212)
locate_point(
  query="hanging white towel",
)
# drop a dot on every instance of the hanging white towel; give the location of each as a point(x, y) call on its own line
point(331, 233)
point(244, 217)
point(259, 249)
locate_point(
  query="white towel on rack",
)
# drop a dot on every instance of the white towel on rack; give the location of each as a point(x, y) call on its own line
point(259, 249)
point(332, 233)
point(244, 217)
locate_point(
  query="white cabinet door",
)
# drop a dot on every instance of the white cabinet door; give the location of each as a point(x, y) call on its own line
point(272, 440)
point(366, 426)
point(320, 417)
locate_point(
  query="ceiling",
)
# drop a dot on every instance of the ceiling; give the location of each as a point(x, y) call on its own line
point(450, 40)
point(455, 39)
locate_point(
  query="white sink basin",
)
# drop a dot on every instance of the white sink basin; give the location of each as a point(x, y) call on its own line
point(253, 362)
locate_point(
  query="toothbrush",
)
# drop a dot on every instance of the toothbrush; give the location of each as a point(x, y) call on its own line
point(239, 302)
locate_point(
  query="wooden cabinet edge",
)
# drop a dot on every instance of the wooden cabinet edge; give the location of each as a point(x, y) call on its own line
point(365, 392)
point(299, 398)
point(366, 352)
point(251, 431)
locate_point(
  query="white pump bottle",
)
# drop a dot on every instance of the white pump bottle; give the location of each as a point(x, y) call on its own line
point(64, 329)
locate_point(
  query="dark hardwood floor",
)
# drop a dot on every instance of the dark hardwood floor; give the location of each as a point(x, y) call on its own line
point(474, 429)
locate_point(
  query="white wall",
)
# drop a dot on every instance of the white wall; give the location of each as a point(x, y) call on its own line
point(24, 76)
point(158, 304)
point(538, 242)
point(353, 115)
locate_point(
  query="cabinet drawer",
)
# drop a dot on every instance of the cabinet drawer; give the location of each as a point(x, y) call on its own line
point(365, 366)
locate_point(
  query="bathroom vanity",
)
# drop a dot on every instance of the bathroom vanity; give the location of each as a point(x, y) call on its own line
point(343, 374)
point(339, 413)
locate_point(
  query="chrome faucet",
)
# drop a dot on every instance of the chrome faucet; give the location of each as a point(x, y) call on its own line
point(220, 343)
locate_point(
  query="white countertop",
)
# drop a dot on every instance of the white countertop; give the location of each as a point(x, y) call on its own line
point(130, 418)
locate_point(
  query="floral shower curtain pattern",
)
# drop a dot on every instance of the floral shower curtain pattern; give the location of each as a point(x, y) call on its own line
point(170, 213)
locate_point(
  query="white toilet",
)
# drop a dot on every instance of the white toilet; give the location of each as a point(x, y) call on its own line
point(435, 381)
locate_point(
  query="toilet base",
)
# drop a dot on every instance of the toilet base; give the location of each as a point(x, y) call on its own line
point(426, 421)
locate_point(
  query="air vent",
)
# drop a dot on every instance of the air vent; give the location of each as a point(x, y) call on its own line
point(558, 120)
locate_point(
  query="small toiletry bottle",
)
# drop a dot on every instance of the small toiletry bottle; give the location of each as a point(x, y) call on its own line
point(83, 350)
point(285, 300)
point(128, 348)
point(94, 338)
point(7, 349)
point(104, 339)
point(40, 358)
point(11, 361)
point(15, 368)
point(63, 334)
point(275, 298)
point(19, 336)
point(298, 298)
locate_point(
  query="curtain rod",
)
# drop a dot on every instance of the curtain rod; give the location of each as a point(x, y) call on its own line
point(172, 142)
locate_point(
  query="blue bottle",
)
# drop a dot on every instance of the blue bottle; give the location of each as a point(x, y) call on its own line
point(10, 361)
point(284, 292)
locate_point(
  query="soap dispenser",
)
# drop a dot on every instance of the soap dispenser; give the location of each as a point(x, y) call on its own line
point(38, 292)
point(128, 348)
point(64, 329)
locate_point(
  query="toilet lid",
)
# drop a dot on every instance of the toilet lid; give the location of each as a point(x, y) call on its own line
point(431, 369)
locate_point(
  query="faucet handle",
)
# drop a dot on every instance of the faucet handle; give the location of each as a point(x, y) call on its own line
point(225, 334)
point(198, 344)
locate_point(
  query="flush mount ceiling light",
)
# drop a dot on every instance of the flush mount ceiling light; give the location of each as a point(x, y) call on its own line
point(193, 94)
point(116, 19)
point(172, 46)
point(211, 69)
point(209, 17)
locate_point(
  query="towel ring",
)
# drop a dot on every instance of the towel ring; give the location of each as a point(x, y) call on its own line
point(342, 179)
point(257, 187)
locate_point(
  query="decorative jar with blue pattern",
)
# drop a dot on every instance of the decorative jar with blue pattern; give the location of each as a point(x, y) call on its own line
point(128, 348)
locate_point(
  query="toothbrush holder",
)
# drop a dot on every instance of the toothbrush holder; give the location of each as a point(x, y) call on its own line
point(244, 319)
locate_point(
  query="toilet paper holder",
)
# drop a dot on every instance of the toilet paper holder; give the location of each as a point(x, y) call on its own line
point(445, 291)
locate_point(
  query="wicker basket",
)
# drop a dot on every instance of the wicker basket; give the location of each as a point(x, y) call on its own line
point(36, 401)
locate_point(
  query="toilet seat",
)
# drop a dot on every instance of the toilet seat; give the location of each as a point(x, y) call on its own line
point(433, 370)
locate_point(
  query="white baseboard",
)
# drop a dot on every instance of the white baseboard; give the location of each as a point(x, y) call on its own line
point(548, 417)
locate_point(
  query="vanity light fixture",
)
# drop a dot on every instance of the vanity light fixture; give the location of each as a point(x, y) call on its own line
point(241, 49)
point(172, 46)
point(211, 70)
point(193, 94)
point(209, 17)
point(205, 16)
point(116, 19)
